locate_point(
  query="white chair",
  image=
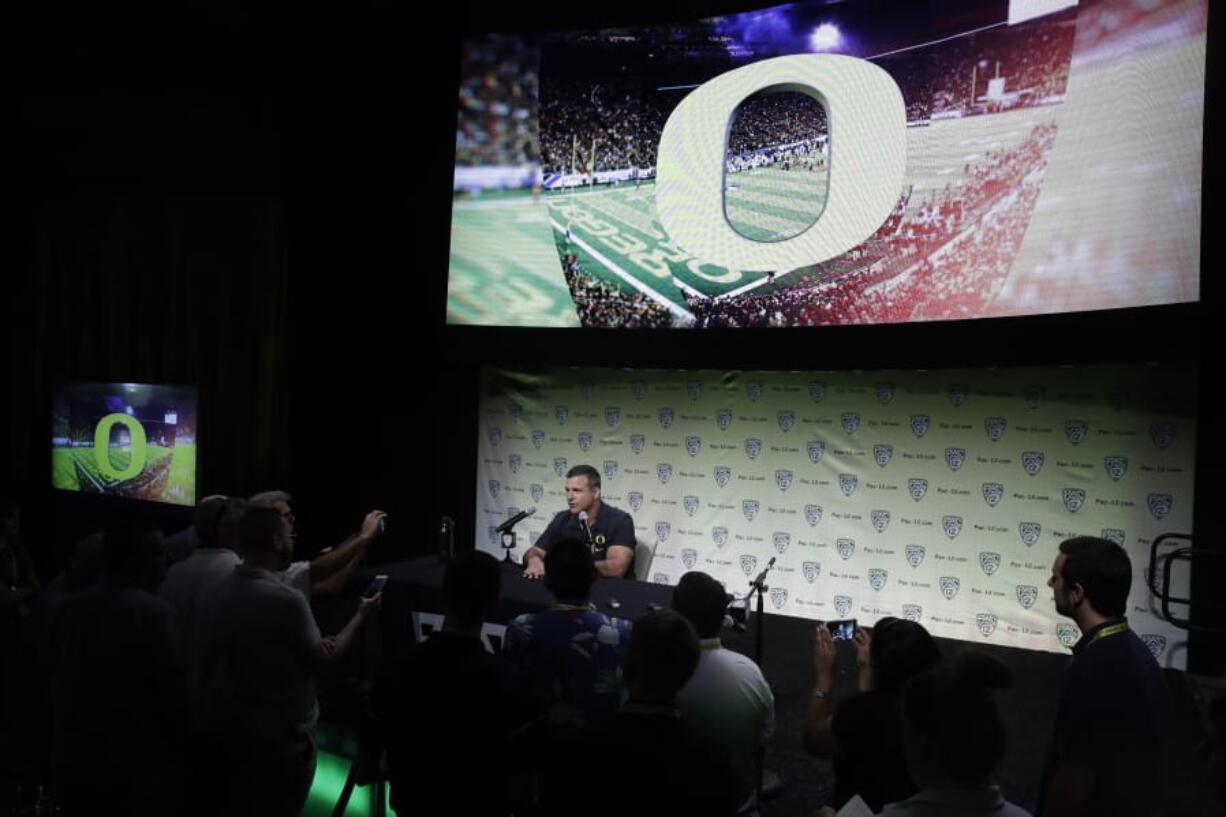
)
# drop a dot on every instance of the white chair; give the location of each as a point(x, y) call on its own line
point(643, 554)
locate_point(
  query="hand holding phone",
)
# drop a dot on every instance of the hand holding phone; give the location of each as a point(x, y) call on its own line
point(844, 630)
point(375, 587)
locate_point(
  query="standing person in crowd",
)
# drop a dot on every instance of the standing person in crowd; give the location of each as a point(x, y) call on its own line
point(1106, 751)
point(727, 700)
point(863, 734)
point(263, 650)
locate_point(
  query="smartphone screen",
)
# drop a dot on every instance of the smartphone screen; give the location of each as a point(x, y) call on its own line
point(842, 630)
point(376, 586)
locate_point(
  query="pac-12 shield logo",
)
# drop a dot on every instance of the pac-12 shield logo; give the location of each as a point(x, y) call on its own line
point(635, 498)
point(665, 415)
point(753, 447)
point(1032, 462)
point(693, 445)
point(559, 466)
point(815, 448)
point(877, 577)
point(884, 392)
point(748, 563)
point(664, 471)
point(783, 478)
point(994, 427)
point(610, 468)
point(1075, 430)
point(786, 420)
point(753, 391)
point(1073, 498)
point(842, 605)
point(493, 485)
point(719, 536)
point(880, 520)
point(848, 483)
point(722, 474)
point(813, 514)
point(811, 570)
point(689, 558)
point(883, 454)
point(515, 461)
point(1159, 504)
point(690, 503)
point(987, 623)
point(1155, 643)
point(817, 391)
point(919, 424)
point(723, 419)
point(612, 415)
point(749, 507)
point(637, 443)
point(781, 541)
point(492, 531)
point(954, 457)
point(1163, 434)
point(660, 578)
point(538, 439)
point(915, 554)
point(779, 597)
point(952, 525)
point(917, 488)
point(1029, 531)
point(957, 395)
point(495, 436)
point(989, 562)
point(845, 547)
point(1033, 395)
point(512, 512)
point(663, 529)
point(693, 389)
point(561, 414)
point(912, 612)
point(1116, 465)
point(1027, 595)
point(585, 440)
point(1154, 578)
point(537, 491)
point(949, 586)
point(850, 421)
point(1067, 634)
point(516, 411)
point(992, 493)
point(638, 389)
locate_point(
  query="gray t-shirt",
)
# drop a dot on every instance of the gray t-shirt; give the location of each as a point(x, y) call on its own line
point(260, 656)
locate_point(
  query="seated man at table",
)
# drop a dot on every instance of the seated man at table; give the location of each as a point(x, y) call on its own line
point(608, 531)
point(572, 653)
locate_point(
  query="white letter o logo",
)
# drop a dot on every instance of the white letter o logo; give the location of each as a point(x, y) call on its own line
point(868, 140)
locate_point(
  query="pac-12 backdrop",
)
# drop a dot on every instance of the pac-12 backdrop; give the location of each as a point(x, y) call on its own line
point(1033, 156)
point(939, 496)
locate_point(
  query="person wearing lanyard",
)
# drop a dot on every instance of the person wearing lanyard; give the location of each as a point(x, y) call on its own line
point(1106, 751)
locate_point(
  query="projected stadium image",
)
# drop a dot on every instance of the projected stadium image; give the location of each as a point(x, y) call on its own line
point(127, 440)
point(1000, 158)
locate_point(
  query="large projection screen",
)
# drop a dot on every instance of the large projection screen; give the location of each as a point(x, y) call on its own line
point(872, 161)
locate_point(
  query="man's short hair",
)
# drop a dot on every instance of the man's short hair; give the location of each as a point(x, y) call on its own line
point(593, 476)
point(570, 571)
point(471, 586)
point(953, 709)
point(207, 518)
point(703, 601)
point(267, 499)
point(1103, 570)
point(663, 654)
point(258, 529)
point(229, 521)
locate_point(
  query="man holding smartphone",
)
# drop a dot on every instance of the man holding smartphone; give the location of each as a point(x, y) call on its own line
point(608, 531)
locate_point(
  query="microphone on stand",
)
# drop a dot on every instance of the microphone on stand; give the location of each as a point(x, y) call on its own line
point(587, 531)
